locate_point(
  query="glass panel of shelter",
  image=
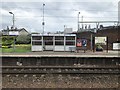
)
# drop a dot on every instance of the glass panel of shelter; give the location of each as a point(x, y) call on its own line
point(36, 42)
point(59, 40)
point(48, 40)
point(36, 38)
point(53, 40)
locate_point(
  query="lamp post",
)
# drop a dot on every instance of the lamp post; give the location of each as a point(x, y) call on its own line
point(13, 19)
point(43, 23)
point(13, 28)
point(78, 21)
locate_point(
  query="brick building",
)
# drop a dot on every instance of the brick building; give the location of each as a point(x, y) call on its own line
point(112, 34)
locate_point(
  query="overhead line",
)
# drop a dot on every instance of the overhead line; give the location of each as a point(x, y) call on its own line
point(65, 9)
point(66, 16)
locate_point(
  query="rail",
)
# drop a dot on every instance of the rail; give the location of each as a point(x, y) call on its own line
point(60, 70)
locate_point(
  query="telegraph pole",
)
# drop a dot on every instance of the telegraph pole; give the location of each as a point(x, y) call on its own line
point(43, 23)
point(78, 21)
point(82, 23)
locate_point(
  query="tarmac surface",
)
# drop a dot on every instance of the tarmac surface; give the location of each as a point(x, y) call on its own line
point(63, 54)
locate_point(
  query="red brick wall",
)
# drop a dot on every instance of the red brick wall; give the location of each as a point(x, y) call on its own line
point(112, 34)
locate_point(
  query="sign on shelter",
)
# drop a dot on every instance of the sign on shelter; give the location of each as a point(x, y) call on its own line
point(101, 40)
point(81, 42)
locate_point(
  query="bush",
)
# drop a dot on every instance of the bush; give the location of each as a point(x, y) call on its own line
point(23, 39)
point(7, 40)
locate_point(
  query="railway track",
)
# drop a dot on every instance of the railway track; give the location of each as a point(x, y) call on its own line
point(59, 70)
point(77, 77)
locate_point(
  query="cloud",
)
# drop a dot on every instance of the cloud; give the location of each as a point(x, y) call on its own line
point(57, 13)
point(59, 0)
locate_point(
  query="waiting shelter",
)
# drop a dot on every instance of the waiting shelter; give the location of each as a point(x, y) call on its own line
point(53, 42)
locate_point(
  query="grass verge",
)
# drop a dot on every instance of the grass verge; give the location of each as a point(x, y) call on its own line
point(18, 49)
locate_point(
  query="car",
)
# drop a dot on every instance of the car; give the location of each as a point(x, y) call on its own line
point(99, 48)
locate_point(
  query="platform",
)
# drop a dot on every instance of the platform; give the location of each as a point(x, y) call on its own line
point(63, 54)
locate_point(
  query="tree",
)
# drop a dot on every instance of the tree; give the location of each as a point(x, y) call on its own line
point(23, 39)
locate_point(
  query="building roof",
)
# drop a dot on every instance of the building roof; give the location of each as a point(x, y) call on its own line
point(53, 34)
point(15, 30)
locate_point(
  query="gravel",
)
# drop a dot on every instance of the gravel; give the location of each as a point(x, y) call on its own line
point(60, 81)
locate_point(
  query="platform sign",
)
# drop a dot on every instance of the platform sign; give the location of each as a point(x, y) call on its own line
point(84, 42)
point(116, 46)
point(81, 42)
point(100, 40)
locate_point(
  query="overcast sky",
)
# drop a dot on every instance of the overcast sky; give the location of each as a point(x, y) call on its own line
point(57, 13)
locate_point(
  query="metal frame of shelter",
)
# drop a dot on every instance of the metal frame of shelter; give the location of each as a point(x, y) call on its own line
point(53, 42)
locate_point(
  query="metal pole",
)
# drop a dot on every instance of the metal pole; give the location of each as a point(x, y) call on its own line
point(107, 45)
point(82, 23)
point(65, 28)
point(91, 41)
point(43, 23)
point(78, 21)
point(64, 38)
point(13, 28)
point(13, 21)
point(14, 43)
